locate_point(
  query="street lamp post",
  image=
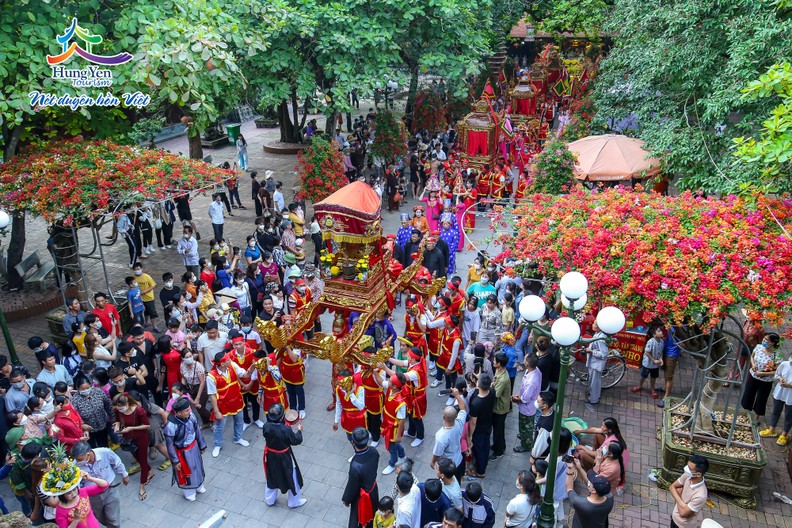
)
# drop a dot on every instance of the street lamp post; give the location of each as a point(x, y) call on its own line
point(566, 332)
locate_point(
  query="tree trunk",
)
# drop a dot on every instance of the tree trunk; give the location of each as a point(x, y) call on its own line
point(289, 133)
point(412, 91)
point(331, 125)
point(16, 248)
point(196, 150)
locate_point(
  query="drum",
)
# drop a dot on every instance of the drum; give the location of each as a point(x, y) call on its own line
point(292, 417)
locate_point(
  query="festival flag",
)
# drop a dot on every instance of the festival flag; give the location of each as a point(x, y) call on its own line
point(489, 91)
point(562, 87)
point(506, 126)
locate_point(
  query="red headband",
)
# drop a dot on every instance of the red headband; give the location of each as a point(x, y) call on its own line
point(238, 339)
point(394, 379)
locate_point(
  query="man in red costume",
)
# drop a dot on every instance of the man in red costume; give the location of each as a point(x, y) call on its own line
point(243, 356)
point(371, 380)
point(339, 332)
point(417, 380)
point(350, 403)
point(483, 186)
point(393, 414)
point(299, 297)
point(225, 393)
point(271, 389)
point(449, 364)
point(434, 326)
point(292, 369)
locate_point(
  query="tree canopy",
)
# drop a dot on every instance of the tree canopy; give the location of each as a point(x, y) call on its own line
point(679, 68)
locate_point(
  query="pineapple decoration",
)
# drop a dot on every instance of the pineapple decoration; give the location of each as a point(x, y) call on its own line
point(63, 475)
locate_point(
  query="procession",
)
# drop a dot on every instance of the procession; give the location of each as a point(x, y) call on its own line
point(499, 275)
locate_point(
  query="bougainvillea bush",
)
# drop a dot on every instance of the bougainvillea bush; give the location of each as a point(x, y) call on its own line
point(320, 170)
point(428, 112)
point(390, 140)
point(553, 169)
point(74, 179)
point(665, 257)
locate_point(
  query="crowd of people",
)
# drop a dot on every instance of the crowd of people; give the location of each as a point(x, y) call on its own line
point(152, 389)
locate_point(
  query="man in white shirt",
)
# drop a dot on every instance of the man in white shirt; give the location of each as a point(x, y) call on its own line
point(448, 438)
point(210, 343)
point(217, 217)
point(440, 155)
point(102, 463)
point(187, 247)
point(277, 198)
point(408, 503)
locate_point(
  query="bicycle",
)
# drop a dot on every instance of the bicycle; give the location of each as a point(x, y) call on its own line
point(615, 368)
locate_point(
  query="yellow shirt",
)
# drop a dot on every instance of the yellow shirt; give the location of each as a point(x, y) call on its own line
point(474, 275)
point(298, 224)
point(507, 318)
point(144, 283)
point(384, 522)
point(79, 343)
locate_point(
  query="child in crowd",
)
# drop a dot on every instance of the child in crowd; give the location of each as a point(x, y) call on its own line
point(652, 360)
point(135, 300)
point(384, 518)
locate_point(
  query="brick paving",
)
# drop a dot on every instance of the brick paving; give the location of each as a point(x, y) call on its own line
point(235, 479)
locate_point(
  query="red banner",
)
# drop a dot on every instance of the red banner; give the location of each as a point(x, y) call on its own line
point(631, 346)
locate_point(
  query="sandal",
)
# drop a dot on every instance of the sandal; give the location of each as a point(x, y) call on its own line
point(635, 389)
point(134, 469)
point(142, 495)
point(165, 465)
point(655, 395)
point(151, 477)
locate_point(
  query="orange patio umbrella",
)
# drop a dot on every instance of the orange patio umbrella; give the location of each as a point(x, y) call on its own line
point(612, 157)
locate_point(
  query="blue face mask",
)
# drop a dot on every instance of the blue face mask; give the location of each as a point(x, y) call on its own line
point(246, 329)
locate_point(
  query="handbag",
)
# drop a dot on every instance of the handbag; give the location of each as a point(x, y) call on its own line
point(128, 445)
point(157, 223)
point(397, 197)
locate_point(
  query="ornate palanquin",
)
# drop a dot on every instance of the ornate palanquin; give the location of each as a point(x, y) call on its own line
point(478, 134)
point(351, 225)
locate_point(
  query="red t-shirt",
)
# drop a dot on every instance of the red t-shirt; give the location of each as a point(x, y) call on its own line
point(104, 317)
point(172, 362)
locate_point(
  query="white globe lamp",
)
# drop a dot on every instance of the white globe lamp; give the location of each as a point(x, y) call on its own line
point(565, 331)
point(4, 220)
point(532, 308)
point(574, 285)
point(393, 85)
point(575, 305)
point(610, 320)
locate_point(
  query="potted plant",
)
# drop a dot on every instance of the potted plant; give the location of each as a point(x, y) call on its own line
point(214, 137)
point(267, 118)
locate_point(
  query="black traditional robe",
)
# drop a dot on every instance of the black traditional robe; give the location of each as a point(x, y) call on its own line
point(362, 476)
point(279, 457)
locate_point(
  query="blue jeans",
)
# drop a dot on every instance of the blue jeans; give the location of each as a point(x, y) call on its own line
point(243, 160)
point(219, 427)
point(396, 452)
point(522, 345)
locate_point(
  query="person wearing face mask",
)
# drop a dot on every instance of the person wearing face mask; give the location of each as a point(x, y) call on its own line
point(102, 463)
point(146, 285)
point(132, 422)
point(491, 321)
point(543, 426)
point(268, 267)
point(185, 444)
point(521, 510)
point(68, 424)
point(168, 289)
point(107, 313)
point(252, 251)
point(93, 406)
point(689, 492)
point(241, 291)
point(300, 297)
point(193, 378)
point(216, 216)
point(187, 247)
point(481, 289)
point(782, 401)
point(135, 301)
point(529, 390)
point(42, 348)
point(591, 511)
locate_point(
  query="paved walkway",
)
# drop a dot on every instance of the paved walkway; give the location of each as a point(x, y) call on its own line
point(235, 479)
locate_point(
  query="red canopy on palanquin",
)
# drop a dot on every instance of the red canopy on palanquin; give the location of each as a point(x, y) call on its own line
point(351, 214)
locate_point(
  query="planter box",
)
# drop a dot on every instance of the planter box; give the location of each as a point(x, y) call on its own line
point(734, 475)
point(266, 123)
point(55, 320)
point(214, 143)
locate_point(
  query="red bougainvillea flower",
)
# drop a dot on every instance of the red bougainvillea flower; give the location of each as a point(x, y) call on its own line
point(75, 179)
point(665, 257)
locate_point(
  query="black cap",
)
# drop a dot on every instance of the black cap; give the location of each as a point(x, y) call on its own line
point(600, 484)
point(180, 404)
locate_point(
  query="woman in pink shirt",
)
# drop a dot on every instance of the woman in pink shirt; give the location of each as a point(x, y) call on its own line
point(74, 510)
point(609, 432)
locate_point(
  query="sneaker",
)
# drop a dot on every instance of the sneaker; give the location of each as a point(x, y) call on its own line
point(167, 247)
point(300, 503)
point(661, 403)
point(768, 433)
point(202, 489)
point(443, 392)
point(388, 470)
point(495, 457)
point(302, 415)
point(374, 443)
point(435, 383)
point(450, 401)
point(152, 249)
point(216, 451)
point(245, 427)
point(190, 498)
point(782, 440)
point(242, 442)
point(520, 449)
point(259, 424)
point(416, 442)
point(432, 372)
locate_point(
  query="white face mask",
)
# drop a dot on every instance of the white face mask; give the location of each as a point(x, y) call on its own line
point(23, 420)
point(536, 404)
point(189, 361)
point(217, 247)
point(688, 472)
point(169, 284)
point(123, 410)
point(175, 395)
point(484, 280)
point(301, 289)
point(138, 272)
point(240, 283)
point(98, 325)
